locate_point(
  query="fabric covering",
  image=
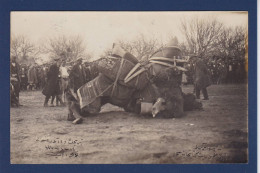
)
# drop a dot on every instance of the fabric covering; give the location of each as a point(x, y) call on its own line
point(101, 87)
point(93, 89)
point(110, 66)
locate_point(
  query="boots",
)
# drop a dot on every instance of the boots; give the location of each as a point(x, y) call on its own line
point(59, 99)
point(46, 101)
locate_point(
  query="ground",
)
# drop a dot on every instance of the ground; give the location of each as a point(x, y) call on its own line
point(218, 134)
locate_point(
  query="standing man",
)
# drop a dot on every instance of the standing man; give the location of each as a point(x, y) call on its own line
point(200, 76)
point(32, 76)
point(15, 78)
point(77, 75)
point(24, 77)
point(64, 78)
point(45, 71)
point(52, 86)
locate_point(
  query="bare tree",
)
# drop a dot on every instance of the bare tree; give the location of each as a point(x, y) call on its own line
point(201, 34)
point(22, 48)
point(72, 47)
point(231, 43)
point(140, 46)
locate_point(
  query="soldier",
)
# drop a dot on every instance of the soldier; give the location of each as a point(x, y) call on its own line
point(15, 78)
point(200, 77)
point(52, 86)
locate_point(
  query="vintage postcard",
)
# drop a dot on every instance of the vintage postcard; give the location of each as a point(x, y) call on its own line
point(122, 87)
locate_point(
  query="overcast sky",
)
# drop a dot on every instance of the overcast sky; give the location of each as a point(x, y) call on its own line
point(101, 29)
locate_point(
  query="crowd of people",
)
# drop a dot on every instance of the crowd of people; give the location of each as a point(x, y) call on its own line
point(227, 71)
point(53, 78)
point(222, 72)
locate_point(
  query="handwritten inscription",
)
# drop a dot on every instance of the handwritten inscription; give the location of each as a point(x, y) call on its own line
point(204, 152)
point(60, 147)
point(59, 141)
point(59, 151)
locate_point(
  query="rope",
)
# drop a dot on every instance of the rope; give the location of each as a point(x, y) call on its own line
point(117, 75)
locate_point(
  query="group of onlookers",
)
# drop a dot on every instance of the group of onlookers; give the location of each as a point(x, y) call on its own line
point(52, 78)
point(55, 78)
point(59, 79)
point(227, 72)
point(221, 72)
point(33, 77)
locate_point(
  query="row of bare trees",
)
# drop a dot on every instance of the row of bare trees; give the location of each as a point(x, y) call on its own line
point(22, 48)
point(209, 37)
point(71, 47)
point(206, 37)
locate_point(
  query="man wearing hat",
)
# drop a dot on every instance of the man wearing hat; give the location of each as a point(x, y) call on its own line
point(52, 86)
point(200, 76)
point(77, 75)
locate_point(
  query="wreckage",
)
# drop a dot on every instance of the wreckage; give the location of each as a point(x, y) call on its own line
point(149, 87)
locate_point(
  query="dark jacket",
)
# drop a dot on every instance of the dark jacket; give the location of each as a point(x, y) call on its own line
point(52, 86)
point(201, 76)
point(78, 76)
point(14, 70)
point(14, 73)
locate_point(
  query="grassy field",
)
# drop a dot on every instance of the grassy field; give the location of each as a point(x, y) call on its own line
point(218, 134)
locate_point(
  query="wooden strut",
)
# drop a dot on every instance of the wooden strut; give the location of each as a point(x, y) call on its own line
point(132, 71)
point(131, 75)
point(168, 59)
point(168, 65)
point(134, 75)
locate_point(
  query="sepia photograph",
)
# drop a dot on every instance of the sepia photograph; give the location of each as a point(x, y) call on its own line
point(129, 87)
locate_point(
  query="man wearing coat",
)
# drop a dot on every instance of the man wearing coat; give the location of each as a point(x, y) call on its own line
point(78, 75)
point(52, 86)
point(200, 76)
point(14, 77)
point(32, 76)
